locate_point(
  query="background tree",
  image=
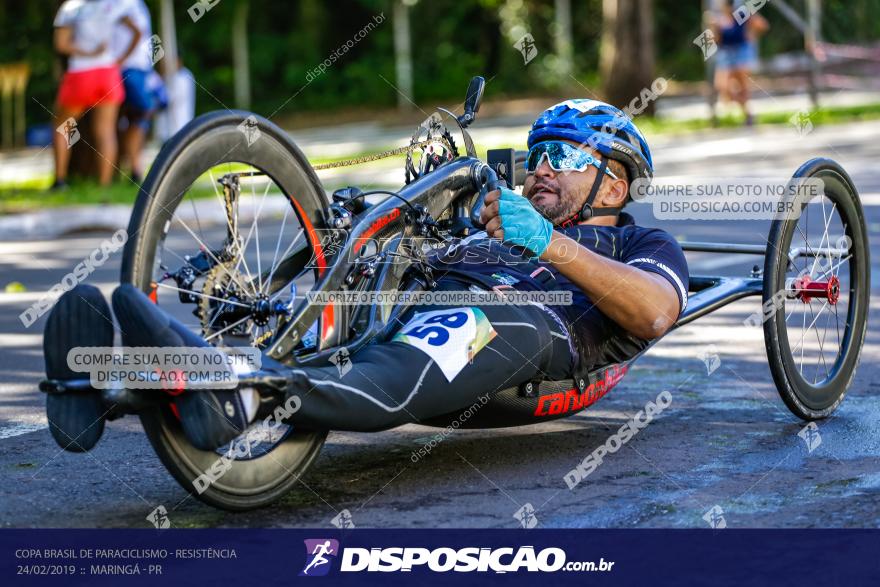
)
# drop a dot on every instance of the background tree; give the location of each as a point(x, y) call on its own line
point(240, 55)
point(627, 58)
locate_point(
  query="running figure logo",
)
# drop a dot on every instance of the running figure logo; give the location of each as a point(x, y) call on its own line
point(810, 435)
point(157, 52)
point(526, 516)
point(715, 518)
point(317, 552)
point(159, 518)
point(342, 360)
point(710, 358)
point(526, 46)
point(250, 129)
point(802, 121)
point(69, 131)
point(706, 42)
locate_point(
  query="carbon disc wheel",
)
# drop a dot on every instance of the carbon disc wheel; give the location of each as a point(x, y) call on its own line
point(179, 223)
point(816, 292)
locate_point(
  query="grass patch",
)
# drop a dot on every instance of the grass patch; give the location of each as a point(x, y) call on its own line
point(35, 195)
point(818, 117)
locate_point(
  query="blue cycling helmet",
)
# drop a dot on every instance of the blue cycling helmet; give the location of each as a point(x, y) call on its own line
point(605, 128)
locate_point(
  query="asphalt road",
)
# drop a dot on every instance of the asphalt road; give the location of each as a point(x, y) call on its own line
point(726, 440)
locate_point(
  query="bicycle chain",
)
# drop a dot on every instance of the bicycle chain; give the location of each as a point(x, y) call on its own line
point(383, 154)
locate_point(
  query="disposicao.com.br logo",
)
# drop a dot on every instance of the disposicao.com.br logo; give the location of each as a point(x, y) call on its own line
point(318, 553)
point(444, 559)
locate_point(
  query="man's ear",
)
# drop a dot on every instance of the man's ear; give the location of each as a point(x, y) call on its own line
point(615, 193)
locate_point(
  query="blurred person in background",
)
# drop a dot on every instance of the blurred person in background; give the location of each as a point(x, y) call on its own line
point(181, 98)
point(737, 52)
point(140, 98)
point(92, 82)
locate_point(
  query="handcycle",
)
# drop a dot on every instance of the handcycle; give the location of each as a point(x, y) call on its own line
point(189, 251)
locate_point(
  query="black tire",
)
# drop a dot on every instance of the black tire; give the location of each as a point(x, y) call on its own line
point(808, 397)
point(206, 142)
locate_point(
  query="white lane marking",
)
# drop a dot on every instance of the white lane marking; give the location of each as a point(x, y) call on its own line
point(20, 340)
point(870, 199)
point(19, 429)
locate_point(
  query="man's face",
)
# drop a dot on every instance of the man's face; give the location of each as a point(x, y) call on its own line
point(559, 195)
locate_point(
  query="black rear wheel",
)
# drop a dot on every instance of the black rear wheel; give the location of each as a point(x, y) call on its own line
point(181, 226)
point(816, 292)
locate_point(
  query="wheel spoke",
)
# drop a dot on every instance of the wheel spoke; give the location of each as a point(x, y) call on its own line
point(185, 262)
point(268, 282)
point(833, 267)
point(822, 309)
point(196, 214)
point(204, 247)
point(819, 341)
point(283, 257)
point(256, 225)
point(821, 237)
point(837, 322)
point(803, 330)
point(825, 237)
point(202, 295)
point(847, 257)
point(822, 344)
point(231, 326)
point(806, 246)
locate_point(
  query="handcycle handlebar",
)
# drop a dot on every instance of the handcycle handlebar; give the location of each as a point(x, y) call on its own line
point(487, 181)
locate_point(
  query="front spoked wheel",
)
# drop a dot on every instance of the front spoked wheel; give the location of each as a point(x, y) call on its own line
point(226, 237)
point(816, 292)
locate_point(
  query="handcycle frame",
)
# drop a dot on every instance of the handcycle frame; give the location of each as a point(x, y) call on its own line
point(387, 223)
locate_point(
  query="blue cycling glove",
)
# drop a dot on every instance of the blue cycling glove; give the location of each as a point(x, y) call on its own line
point(522, 224)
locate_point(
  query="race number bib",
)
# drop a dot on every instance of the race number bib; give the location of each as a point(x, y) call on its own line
point(450, 337)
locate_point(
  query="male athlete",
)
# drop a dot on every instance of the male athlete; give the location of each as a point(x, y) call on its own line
point(628, 285)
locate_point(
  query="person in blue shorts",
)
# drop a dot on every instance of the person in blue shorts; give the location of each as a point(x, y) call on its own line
point(140, 98)
point(737, 31)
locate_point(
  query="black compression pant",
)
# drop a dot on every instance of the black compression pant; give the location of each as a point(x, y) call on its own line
point(394, 383)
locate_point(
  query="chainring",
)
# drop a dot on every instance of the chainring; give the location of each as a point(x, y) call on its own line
point(435, 145)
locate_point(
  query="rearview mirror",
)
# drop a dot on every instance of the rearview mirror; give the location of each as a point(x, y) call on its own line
point(472, 100)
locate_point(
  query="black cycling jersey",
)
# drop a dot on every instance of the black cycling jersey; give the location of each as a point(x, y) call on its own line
point(599, 339)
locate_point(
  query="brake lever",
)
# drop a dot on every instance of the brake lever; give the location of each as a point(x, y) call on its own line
point(489, 182)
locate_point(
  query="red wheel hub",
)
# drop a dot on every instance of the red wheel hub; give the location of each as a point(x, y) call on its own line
point(805, 289)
